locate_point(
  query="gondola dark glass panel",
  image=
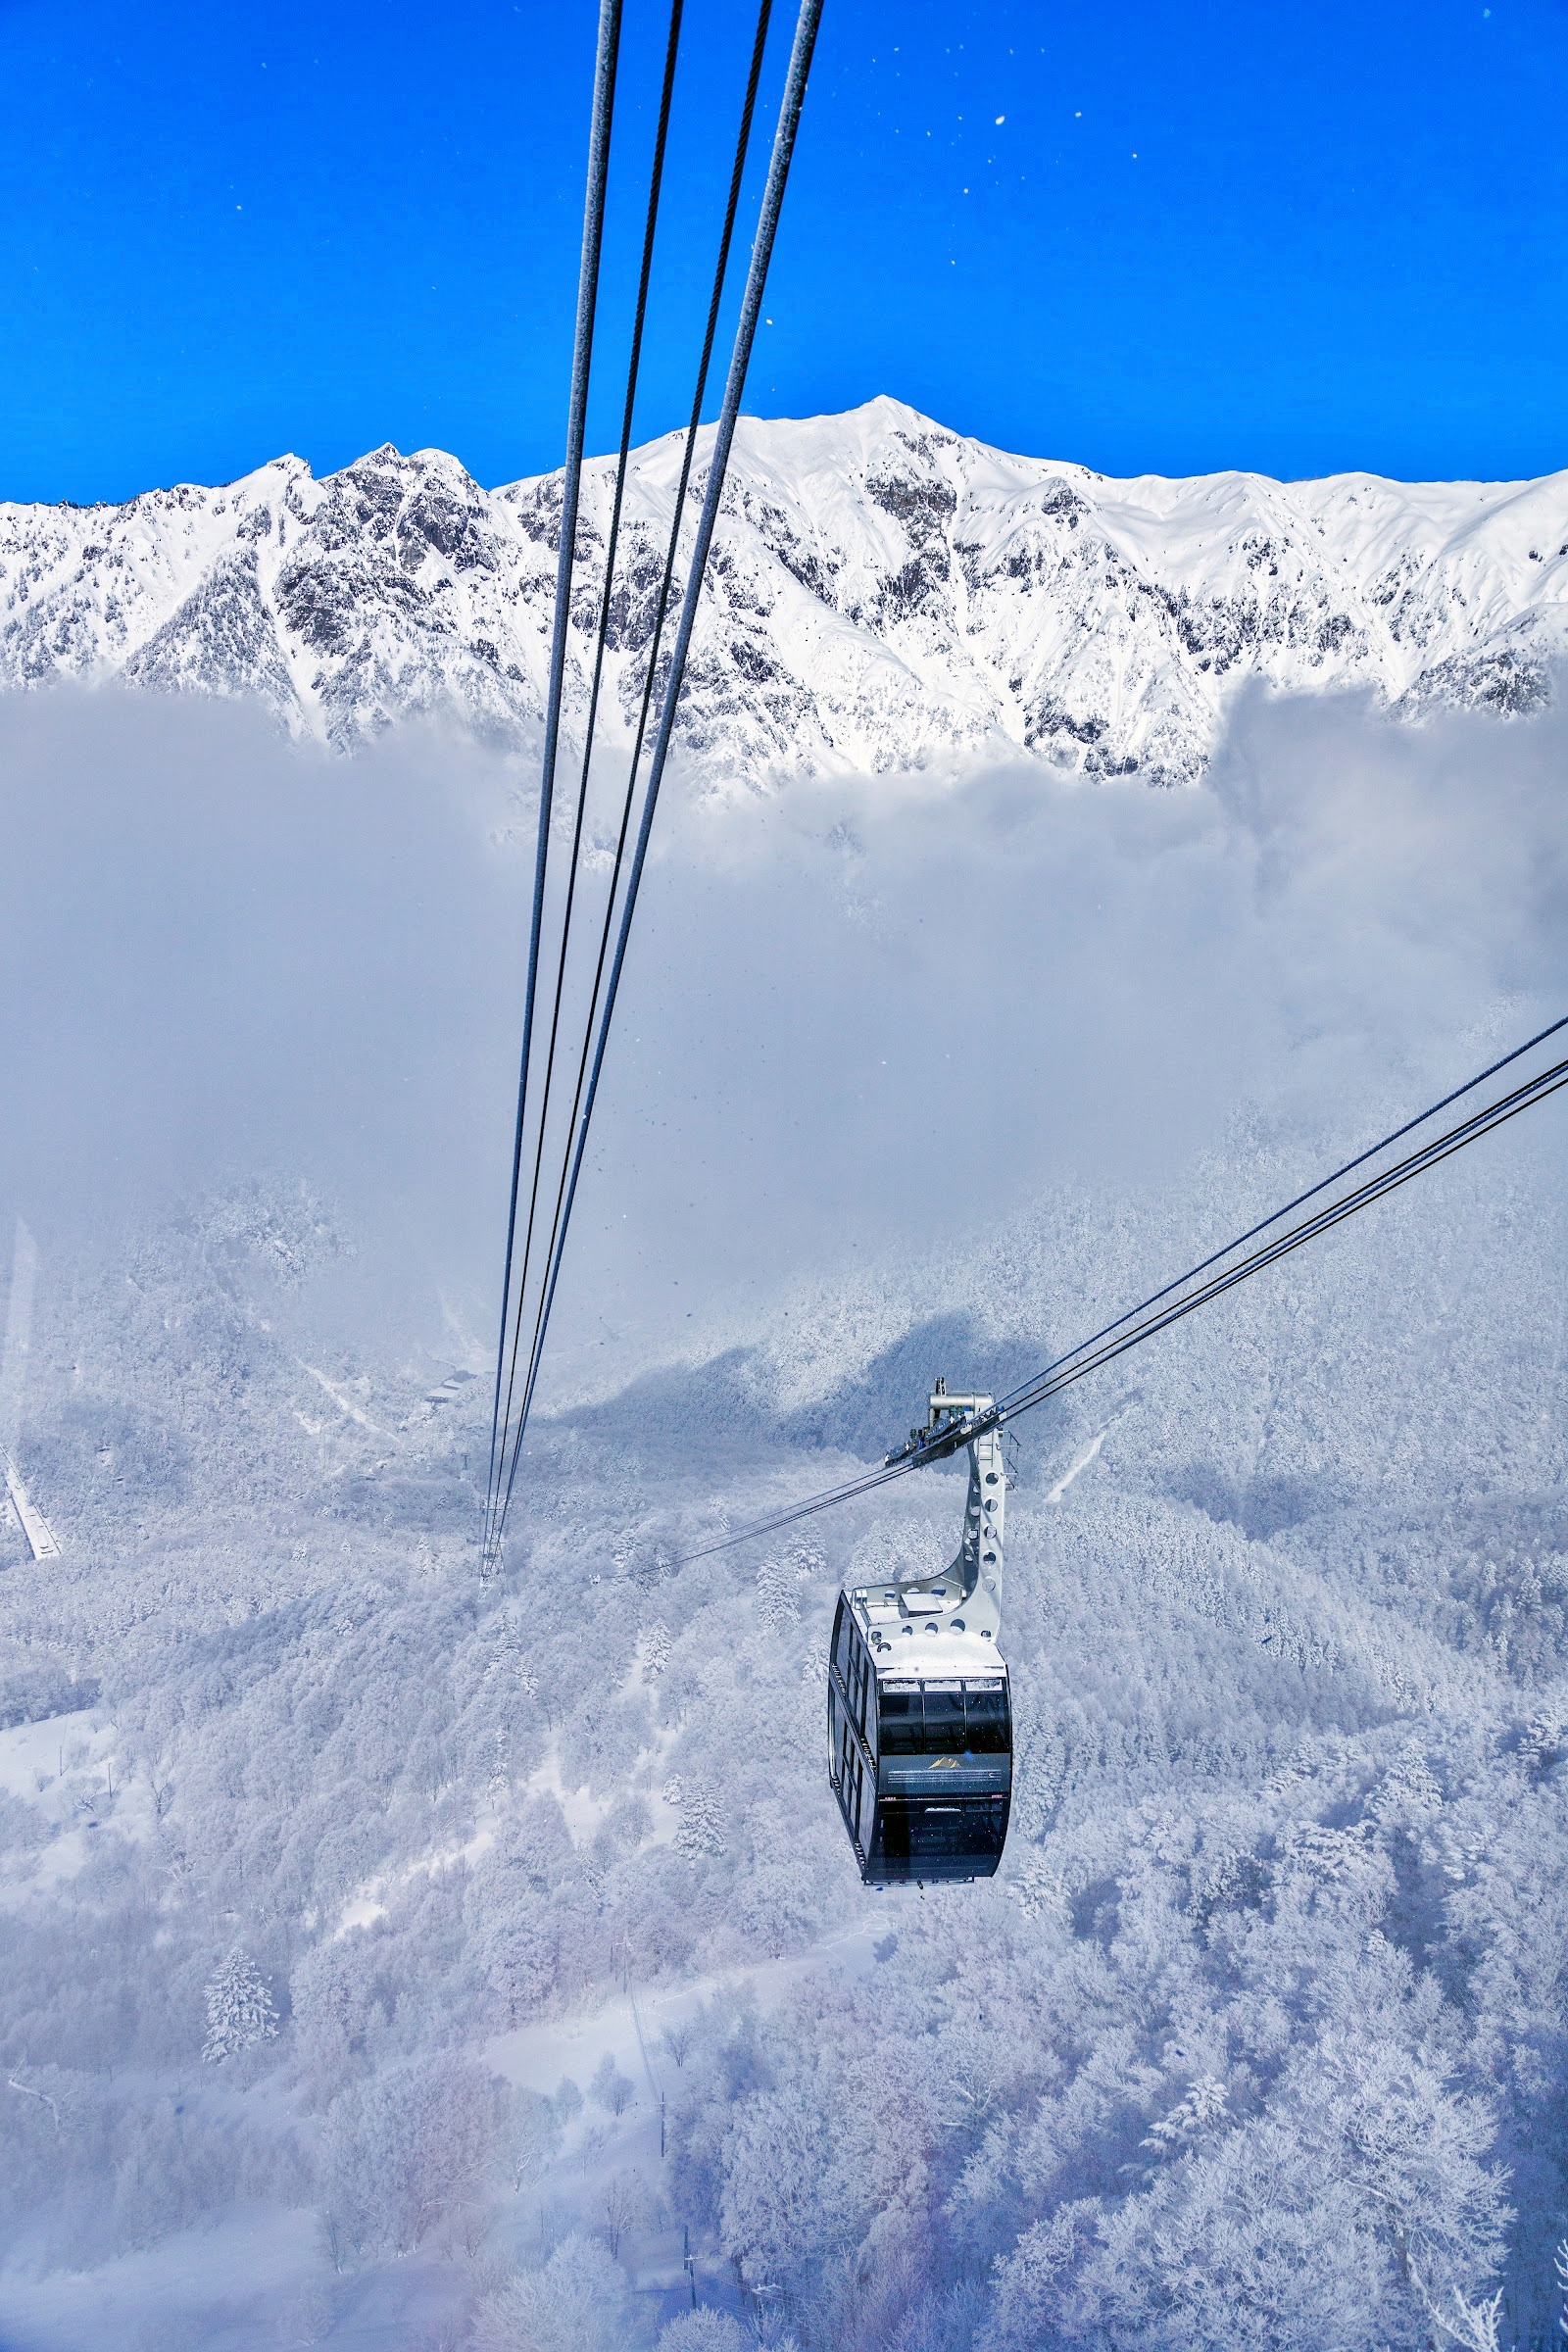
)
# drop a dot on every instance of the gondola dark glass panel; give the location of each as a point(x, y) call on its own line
point(944, 1719)
point(903, 1730)
point(986, 1731)
point(960, 1839)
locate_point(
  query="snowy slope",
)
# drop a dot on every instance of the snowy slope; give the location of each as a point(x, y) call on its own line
point(885, 595)
point(570, 1965)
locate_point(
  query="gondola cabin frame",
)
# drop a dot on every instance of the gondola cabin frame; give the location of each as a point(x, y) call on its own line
point(920, 1704)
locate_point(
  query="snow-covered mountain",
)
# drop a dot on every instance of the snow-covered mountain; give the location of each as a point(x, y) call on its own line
point(884, 593)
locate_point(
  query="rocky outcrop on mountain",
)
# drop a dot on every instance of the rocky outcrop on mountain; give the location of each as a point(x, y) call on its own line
point(883, 595)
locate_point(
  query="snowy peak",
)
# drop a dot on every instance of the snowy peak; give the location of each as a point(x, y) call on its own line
point(884, 593)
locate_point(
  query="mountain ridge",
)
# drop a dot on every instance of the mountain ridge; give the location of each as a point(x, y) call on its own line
point(884, 593)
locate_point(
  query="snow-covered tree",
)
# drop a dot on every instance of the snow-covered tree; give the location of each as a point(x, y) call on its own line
point(1202, 2107)
point(654, 1646)
point(1248, 2244)
point(610, 2089)
point(405, 2151)
point(775, 2162)
point(778, 1595)
point(534, 2134)
point(1032, 2279)
point(627, 2205)
point(702, 2330)
point(577, 2303)
point(1471, 2327)
point(240, 2011)
point(701, 1828)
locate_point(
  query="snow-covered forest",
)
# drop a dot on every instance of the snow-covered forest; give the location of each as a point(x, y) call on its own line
point(395, 1958)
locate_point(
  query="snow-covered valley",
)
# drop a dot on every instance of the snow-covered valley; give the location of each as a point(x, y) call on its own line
point(394, 1959)
point(1288, 1651)
point(884, 595)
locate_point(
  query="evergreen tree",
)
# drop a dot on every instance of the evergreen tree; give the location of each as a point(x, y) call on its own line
point(701, 1828)
point(239, 2009)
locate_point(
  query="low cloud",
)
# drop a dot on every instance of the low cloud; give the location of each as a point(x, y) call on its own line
point(857, 1016)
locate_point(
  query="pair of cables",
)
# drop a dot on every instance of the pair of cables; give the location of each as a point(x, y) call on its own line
point(536, 1234)
point(1263, 1245)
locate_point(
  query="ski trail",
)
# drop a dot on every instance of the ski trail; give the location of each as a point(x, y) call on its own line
point(1080, 1461)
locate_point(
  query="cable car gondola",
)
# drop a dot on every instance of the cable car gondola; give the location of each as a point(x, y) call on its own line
point(919, 1708)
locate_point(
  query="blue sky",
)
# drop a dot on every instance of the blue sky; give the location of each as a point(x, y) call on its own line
point(1300, 240)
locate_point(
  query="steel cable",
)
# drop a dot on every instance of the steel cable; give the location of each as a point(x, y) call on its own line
point(604, 103)
point(1348, 1169)
point(633, 369)
point(661, 609)
point(785, 133)
point(742, 148)
point(1074, 1368)
point(724, 434)
point(1104, 1346)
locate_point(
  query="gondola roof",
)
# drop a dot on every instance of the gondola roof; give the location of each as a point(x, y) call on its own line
point(903, 1641)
